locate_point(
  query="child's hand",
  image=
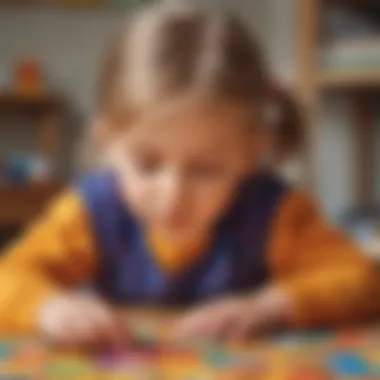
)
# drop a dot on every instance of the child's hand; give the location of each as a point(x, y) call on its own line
point(236, 318)
point(78, 320)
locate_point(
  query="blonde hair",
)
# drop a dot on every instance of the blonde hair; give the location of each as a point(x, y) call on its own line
point(172, 47)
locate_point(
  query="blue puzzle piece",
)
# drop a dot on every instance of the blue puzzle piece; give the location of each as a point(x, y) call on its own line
point(6, 349)
point(214, 355)
point(217, 359)
point(348, 364)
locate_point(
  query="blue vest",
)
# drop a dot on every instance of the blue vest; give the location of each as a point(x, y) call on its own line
point(234, 262)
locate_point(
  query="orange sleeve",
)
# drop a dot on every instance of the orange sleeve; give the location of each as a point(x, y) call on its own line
point(329, 280)
point(56, 252)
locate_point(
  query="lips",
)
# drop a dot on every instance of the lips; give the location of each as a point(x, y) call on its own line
point(175, 221)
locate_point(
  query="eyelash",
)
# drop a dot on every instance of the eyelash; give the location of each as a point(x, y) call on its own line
point(195, 170)
point(204, 171)
point(148, 167)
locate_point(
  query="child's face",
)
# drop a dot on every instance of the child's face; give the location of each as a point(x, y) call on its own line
point(179, 169)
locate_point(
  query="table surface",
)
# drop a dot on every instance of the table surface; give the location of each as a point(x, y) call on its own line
point(318, 355)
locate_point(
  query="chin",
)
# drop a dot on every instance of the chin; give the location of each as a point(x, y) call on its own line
point(178, 231)
point(175, 231)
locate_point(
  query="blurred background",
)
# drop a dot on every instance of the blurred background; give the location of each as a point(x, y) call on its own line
point(326, 51)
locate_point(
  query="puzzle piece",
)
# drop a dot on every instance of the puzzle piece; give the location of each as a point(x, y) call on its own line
point(5, 350)
point(215, 356)
point(310, 374)
point(69, 367)
point(348, 364)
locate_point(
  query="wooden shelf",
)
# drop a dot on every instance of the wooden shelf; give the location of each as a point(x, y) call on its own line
point(359, 5)
point(40, 104)
point(19, 204)
point(349, 79)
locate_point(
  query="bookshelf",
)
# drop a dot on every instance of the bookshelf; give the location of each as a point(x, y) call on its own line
point(346, 80)
point(19, 203)
point(360, 85)
point(36, 104)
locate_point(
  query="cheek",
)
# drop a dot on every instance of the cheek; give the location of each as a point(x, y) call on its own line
point(259, 149)
point(211, 200)
point(138, 193)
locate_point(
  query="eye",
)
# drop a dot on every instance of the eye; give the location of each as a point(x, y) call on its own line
point(148, 163)
point(205, 170)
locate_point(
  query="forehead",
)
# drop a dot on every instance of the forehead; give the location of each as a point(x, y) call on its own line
point(187, 123)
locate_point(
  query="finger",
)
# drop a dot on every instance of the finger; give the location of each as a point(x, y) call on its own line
point(219, 328)
point(110, 327)
point(65, 332)
point(52, 320)
point(79, 328)
point(242, 329)
point(207, 322)
point(189, 326)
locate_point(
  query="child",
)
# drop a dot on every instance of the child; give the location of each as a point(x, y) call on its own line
point(183, 210)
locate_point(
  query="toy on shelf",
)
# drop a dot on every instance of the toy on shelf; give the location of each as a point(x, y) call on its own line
point(21, 168)
point(27, 78)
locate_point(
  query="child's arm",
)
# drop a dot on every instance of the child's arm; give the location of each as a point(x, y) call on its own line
point(328, 279)
point(56, 252)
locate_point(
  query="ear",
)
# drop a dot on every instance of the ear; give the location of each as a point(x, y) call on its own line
point(257, 150)
point(100, 136)
point(100, 133)
point(90, 148)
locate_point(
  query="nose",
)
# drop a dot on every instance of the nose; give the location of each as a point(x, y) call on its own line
point(173, 190)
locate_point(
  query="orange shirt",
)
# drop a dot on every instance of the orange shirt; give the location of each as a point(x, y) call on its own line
point(328, 278)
